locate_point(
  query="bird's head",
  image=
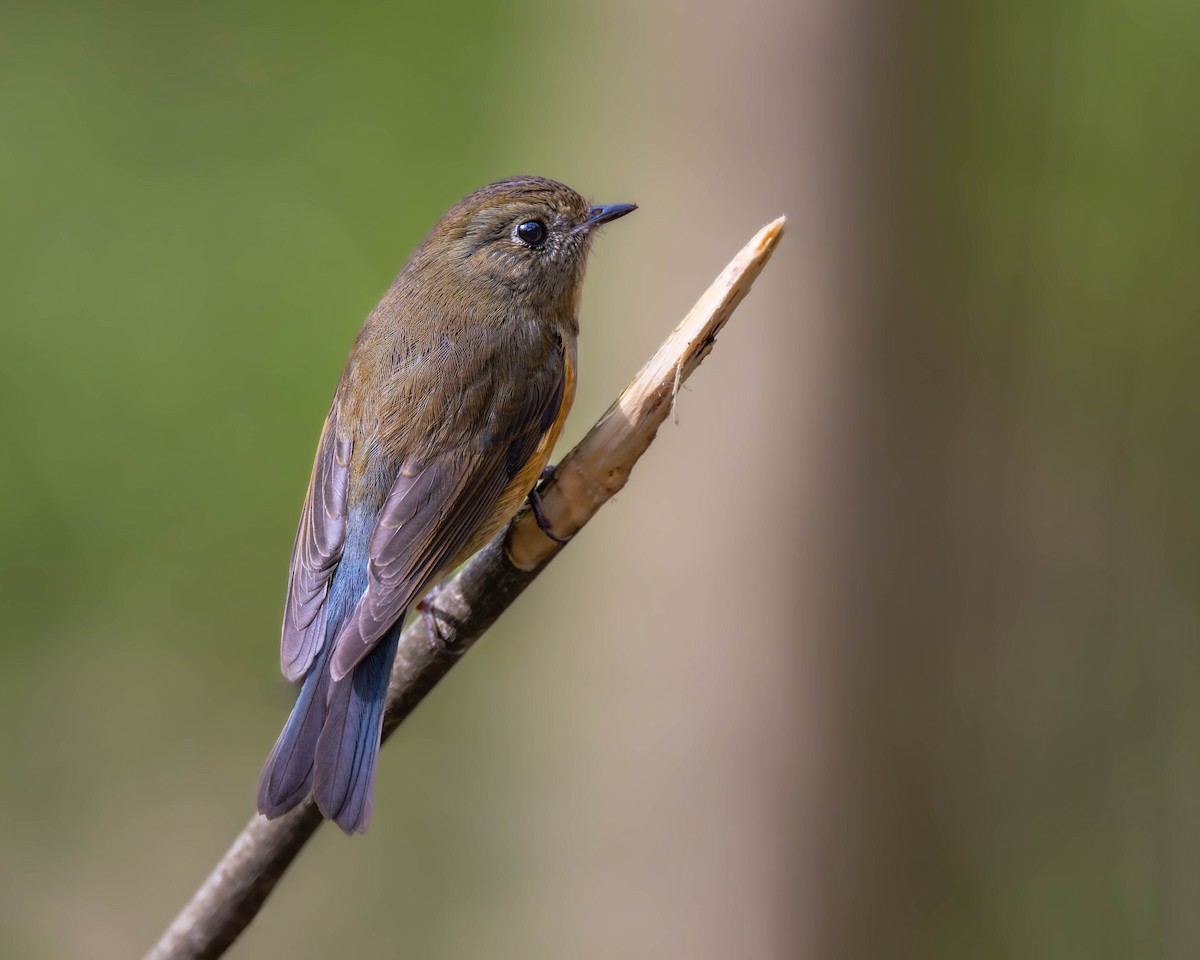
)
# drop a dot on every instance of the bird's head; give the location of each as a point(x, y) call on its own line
point(525, 237)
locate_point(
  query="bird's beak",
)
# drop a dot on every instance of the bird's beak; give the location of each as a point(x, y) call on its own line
point(604, 213)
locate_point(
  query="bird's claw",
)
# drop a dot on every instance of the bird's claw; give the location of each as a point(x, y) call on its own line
point(539, 516)
point(432, 619)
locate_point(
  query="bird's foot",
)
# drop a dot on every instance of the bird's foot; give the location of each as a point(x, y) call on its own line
point(433, 618)
point(539, 515)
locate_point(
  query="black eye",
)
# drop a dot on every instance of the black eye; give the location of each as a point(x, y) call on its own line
point(532, 232)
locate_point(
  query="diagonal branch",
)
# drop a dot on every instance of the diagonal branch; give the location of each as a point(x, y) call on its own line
point(470, 602)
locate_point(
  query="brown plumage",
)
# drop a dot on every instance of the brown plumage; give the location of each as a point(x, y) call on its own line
point(447, 411)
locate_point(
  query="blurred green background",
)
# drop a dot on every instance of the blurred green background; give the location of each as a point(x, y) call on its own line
point(890, 648)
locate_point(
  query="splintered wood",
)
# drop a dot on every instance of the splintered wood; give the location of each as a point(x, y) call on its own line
point(596, 469)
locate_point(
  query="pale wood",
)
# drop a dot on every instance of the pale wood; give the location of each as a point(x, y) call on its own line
point(600, 465)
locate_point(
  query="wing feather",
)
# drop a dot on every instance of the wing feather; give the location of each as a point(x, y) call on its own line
point(318, 548)
point(433, 511)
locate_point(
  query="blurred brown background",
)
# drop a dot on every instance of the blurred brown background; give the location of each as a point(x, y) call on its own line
point(890, 648)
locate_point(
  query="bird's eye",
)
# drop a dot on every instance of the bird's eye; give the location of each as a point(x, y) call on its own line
point(532, 233)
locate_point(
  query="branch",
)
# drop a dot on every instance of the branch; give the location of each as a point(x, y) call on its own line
point(470, 602)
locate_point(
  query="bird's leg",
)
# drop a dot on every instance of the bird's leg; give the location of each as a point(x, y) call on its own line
point(431, 617)
point(535, 504)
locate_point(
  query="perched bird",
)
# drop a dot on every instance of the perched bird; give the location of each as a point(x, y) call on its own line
point(442, 422)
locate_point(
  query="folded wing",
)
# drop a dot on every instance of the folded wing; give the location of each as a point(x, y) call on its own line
point(318, 548)
point(433, 511)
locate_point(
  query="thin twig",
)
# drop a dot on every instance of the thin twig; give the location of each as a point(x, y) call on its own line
point(675, 390)
point(470, 602)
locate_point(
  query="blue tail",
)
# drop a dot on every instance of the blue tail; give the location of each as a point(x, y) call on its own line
point(344, 781)
point(287, 776)
point(331, 740)
point(329, 744)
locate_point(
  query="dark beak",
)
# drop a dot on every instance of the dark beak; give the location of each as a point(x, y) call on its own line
point(606, 212)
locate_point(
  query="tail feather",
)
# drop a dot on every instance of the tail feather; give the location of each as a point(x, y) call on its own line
point(330, 742)
point(287, 775)
point(348, 745)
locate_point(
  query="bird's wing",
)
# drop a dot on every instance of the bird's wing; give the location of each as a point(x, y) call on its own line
point(319, 542)
point(432, 512)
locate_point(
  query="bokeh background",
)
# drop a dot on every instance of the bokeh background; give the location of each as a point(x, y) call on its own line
point(890, 648)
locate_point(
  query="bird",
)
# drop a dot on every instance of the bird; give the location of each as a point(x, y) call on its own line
point(442, 422)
